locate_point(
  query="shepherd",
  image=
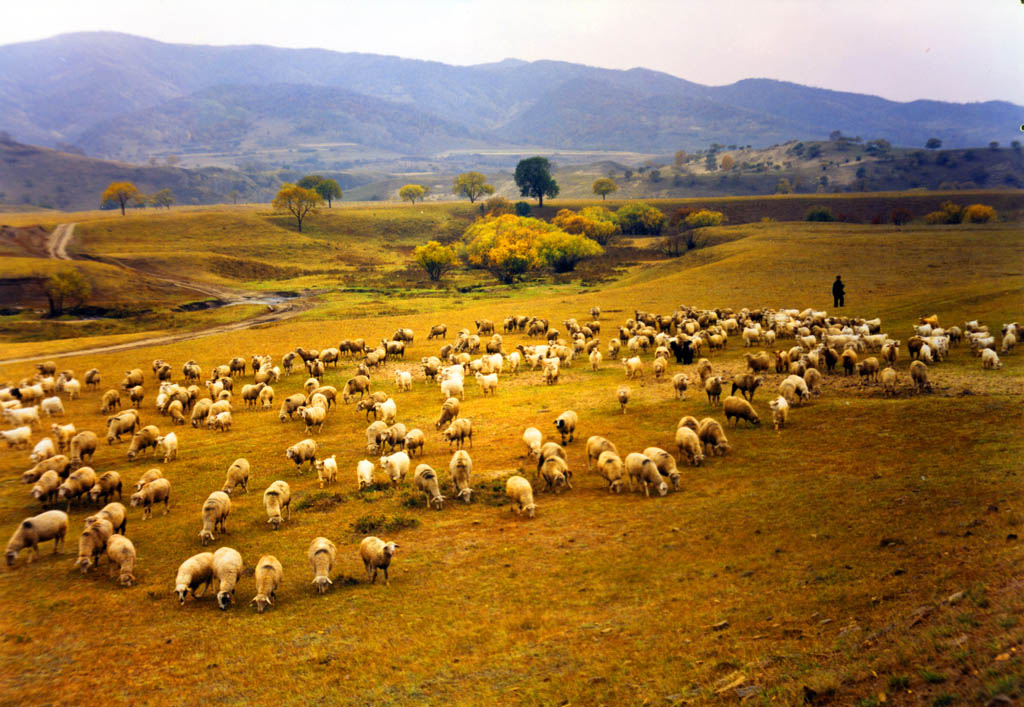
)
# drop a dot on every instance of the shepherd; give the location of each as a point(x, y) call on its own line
point(838, 292)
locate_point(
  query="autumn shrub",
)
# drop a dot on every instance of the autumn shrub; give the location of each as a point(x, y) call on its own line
point(979, 213)
point(820, 213)
point(640, 219)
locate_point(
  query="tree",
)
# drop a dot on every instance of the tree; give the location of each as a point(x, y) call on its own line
point(496, 206)
point(328, 189)
point(66, 285)
point(562, 251)
point(689, 236)
point(703, 218)
point(933, 143)
point(679, 158)
point(435, 258)
point(510, 246)
point(164, 197)
point(594, 222)
point(603, 187)
point(820, 213)
point(783, 187)
point(640, 219)
point(533, 177)
point(471, 185)
point(121, 193)
point(979, 213)
point(728, 162)
point(412, 192)
point(299, 201)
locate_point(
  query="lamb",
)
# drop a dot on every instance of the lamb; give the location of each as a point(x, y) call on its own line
point(461, 467)
point(376, 555)
point(201, 412)
point(453, 388)
point(609, 468)
point(126, 422)
point(566, 425)
point(277, 500)
point(555, 472)
point(150, 475)
point(780, 412)
point(49, 525)
point(291, 405)
point(532, 438)
point(890, 379)
point(45, 490)
point(990, 360)
point(92, 378)
point(76, 485)
point(302, 452)
point(18, 437)
point(219, 421)
point(666, 464)
point(737, 409)
point(713, 437)
point(115, 512)
point(193, 572)
point(642, 469)
point(238, 475)
point(520, 492)
point(142, 440)
point(121, 556)
point(44, 449)
point(387, 410)
point(595, 359)
point(596, 446)
point(321, 554)
point(63, 435)
point(713, 388)
point(458, 431)
point(425, 479)
point(227, 566)
point(488, 383)
point(622, 394)
point(689, 446)
point(634, 368)
point(106, 485)
point(214, 514)
point(396, 466)
point(364, 474)
point(24, 416)
point(92, 543)
point(552, 368)
point(156, 491)
point(52, 406)
point(919, 374)
point(168, 446)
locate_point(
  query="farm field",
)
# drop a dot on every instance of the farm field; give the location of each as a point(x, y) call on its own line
point(869, 552)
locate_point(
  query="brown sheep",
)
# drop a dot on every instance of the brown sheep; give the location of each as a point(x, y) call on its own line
point(737, 409)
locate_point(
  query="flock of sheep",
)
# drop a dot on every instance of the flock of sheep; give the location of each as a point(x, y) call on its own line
point(60, 474)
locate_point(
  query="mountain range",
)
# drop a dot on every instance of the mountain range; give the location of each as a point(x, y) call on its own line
point(125, 97)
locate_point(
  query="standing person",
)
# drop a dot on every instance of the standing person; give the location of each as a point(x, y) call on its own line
point(838, 292)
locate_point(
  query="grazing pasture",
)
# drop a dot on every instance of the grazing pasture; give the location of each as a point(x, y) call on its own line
point(868, 551)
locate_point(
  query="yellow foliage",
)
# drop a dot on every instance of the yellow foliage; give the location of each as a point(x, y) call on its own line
point(979, 213)
point(297, 200)
point(412, 192)
point(510, 246)
point(121, 192)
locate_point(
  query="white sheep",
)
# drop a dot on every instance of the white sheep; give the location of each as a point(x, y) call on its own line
point(610, 468)
point(461, 467)
point(23, 416)
point(277, 499)
point(18, 437)
point(238, 475)
point(689, 446)
point(214, 515)
point(634, 368)
point(268, 578)
point(321, 554)
point(395, 466)
point(403, 381)
point(49, 525)
point(780, 410)
point(44, 449)
point(452, 388)
point(92, 543)
point(666, 464)
point(387, 410)
point(326, 470)
point(152, 493)
point(364, 474)
point(193, 572)
point(520, 492)
point(595, 359)
point(52, 406)
point(167, 446)
point(121, 555)
point(63, 435)
point(425, 479)
point(532, 438)
point(227, 566)
point(488, 383)
point(990, 360)
point(376, 555)
point(642, 469)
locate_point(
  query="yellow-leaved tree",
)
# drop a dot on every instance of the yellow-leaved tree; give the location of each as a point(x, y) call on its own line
point(510, 246)
point(472, 185)
point(435, 258)
point(604, 186)
point(121, 193)
point(594, 222)
point(298, 201)
point(412, 192)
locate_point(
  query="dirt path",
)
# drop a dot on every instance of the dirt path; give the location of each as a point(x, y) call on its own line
point(57, 246)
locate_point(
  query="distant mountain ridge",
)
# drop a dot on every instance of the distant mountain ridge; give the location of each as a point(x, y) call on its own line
point(119, 96)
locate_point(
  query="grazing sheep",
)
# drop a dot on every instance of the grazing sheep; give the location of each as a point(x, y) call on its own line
point(919, 374)
point(238, 475)
point(868, 368)
point(277, 500)
point(220, 421)
point(115, 512)
point(659, 367)
point(137, 394)
point(438, 331)
point(566, 425)
point(92, 379)
point(168, 446)
point(375, 436)
point(758, 362)
point(92, 543)
point(713, 388)
point(49, 525)
point(689, 446)
point(302, 452)
point(990, 360)
point(201, 412)
point(737, 409)
point(111, 401)
point(890, 379)
point(376, 555)
point(214, 515)
point(461, 467)
point(688, 421)
point(665, 462)
point(193, 572)
point(610, 468)
point(83, 445)
point(227, 566)
point(266, 400)
point(268, 575)
point(357, 384)
point(794, 389)
point(142, 440)
point(623, 394)
point(396, 466)
point(549, 450)
point(105, 487)
point(125, 422)
point(150, 475)
point(532, 438)
point(713, 437)
point(1009, 343)
point(425, 479)
point(555, 472)
point(322, 554)
point(156, 491)
point(520, 492)
point(812, 377)
point(596, 446)
point(415, 439)
point(642, 469)
point(121, 556)
point(44, 449)
point(780, 412)
point(77, 485)
point(18, 437)
point(458, 431)
point(63, 435)
point(52, 406)
point(132, 378)
point(45, 490)
point(291, 405)
point(453, 388)
point(364, 474)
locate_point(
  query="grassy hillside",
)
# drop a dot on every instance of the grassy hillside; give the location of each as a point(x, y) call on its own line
point(844, 558)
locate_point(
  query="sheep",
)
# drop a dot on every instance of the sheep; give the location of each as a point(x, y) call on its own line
point(552, 368)
point(438, 331)
point(227, 566)
point(277, 500)
point(689, 446)
point(45, 490)
point(387, 410)
point(291, 405)
point(63, 434)
point(597, 445)
point(52, 406)
point(595, 359)
point(302, 452)
point(713, 437)
point(214, 514)
point(221, 421)
point(990, 360)
point(688, 421)
point(634, 368)
point(92, 378)
point(136, 395)
point(266, 400)
point(132, 378)
point(659, 367)
point(167, 446)
point(357, 384)
point(18, 437)
point(49, 525)
point(890, 379)
point(376, 555)
point(125, 422)
point(364, 474)
point(44, 449)
point(849, 360)
point(121, 556)
point(1009, 343)
point(549, 450)
point(868, 368)
point(24, 416)
point(622, 394)
point(919, 374)
point(713, 388)
point(111, 401)
point(453, 388)
point(458, 431)
point(520, 492)
point(375, 434)
point(737, 409)
point(268, 575)
point(322, 554)
point(609, 468)
point(780, 412)
point(142, 440)
point(613, 348)
point(193, 572)
point(201, 412)
point(643, 470)
point(92, 543)
point(488, 383)
point(666, 464)
point(566, 425)
point(76, 485)
point(794, 389)
point(555, 472)
point(156, 491)
point(106, 485)
point(115, 512)
point(238, 475)
point(396, 466)
point(150, 475)
point(425, 479)
point(313, 417)
point(812, 378)
point(532, 438)
point(461, 467)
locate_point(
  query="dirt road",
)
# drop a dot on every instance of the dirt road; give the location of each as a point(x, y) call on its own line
point(57, 246)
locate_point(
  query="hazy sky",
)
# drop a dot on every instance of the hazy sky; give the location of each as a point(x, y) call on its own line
point(954, 50)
